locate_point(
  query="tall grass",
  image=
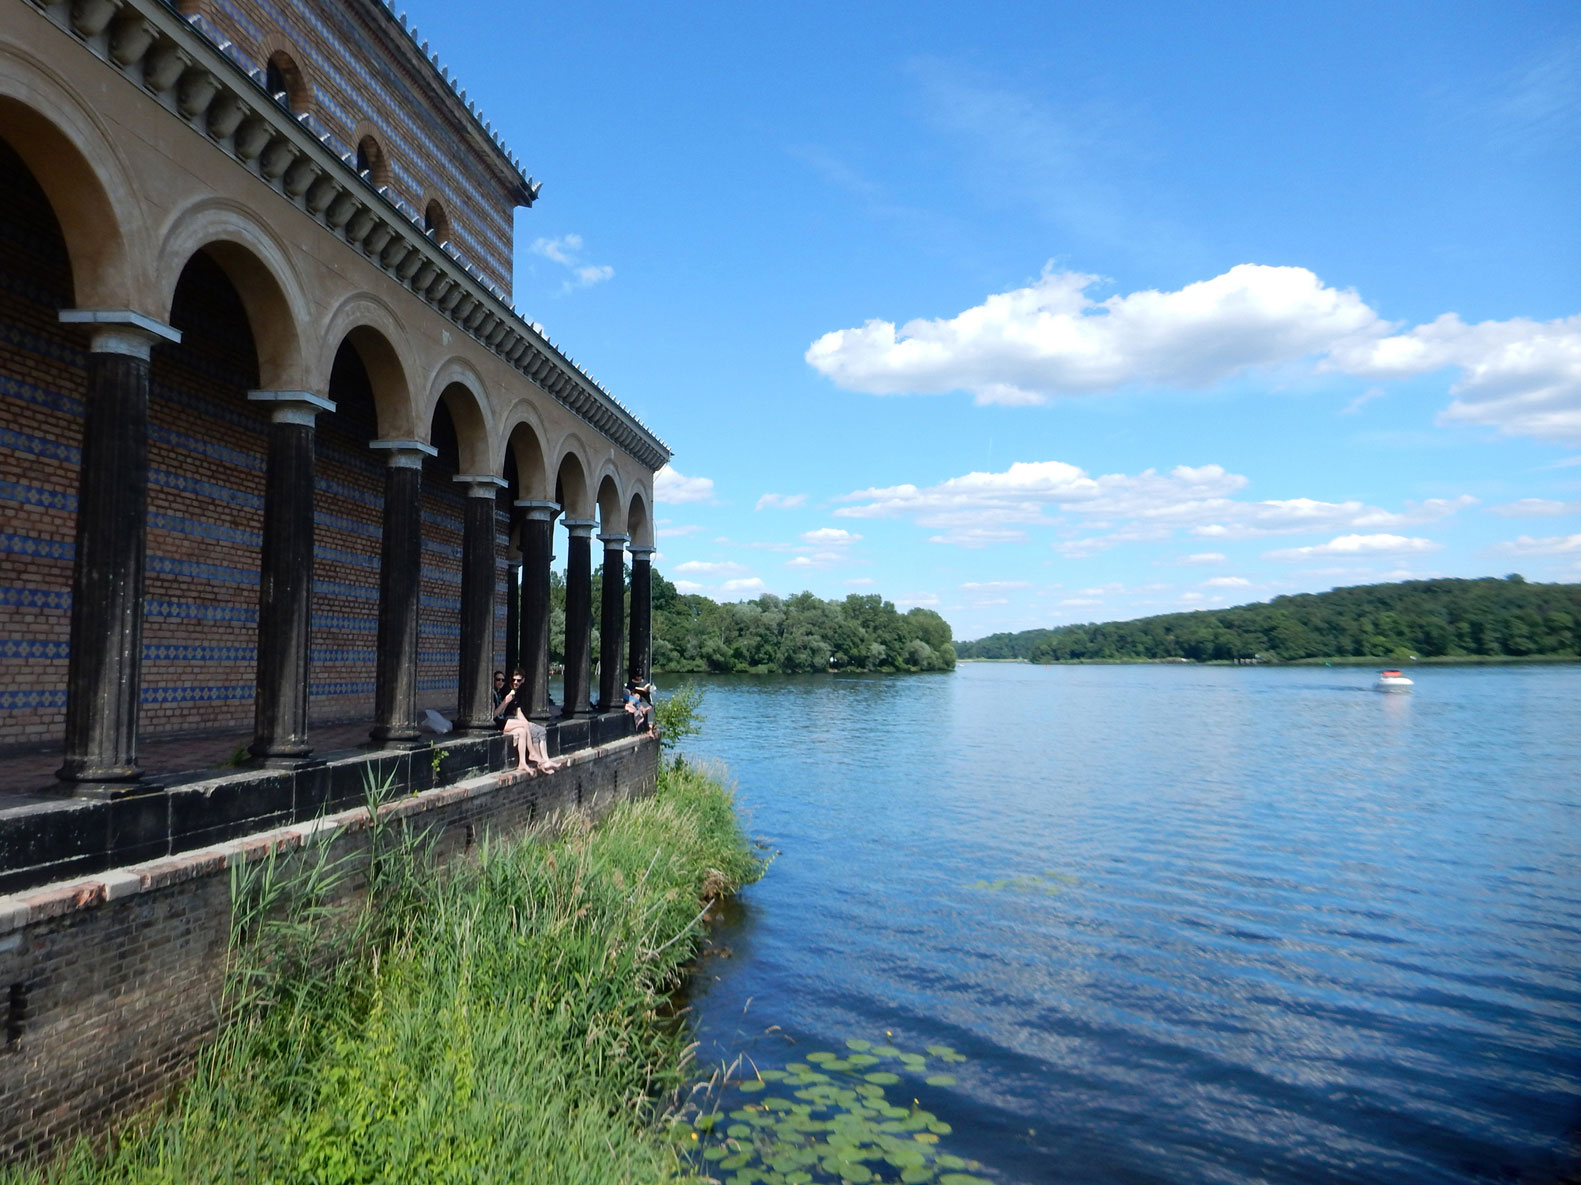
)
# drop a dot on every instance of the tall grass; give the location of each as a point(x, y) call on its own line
point(502, 1021)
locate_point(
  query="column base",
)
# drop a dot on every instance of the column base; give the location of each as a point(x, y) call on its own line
point(78, 769)
point(275, 755)
point(398, 738)
point(107, 791)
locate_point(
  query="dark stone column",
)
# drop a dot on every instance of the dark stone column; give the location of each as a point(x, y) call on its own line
point(400, 567)
point(640, 658)
point(537, 552)
point(612, 621)
point(285, 581)
point(476, 707)
point(104, 677)
point(578, 615)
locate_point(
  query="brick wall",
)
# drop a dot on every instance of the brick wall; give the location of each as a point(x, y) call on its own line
point(347, 530)
point(354, 82)
point(42, 384)
point(439, 605)
point(110, 985)
point(207, 451)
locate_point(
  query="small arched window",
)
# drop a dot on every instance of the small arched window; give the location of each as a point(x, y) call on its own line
point(435, 222)
point(372, 164)
point(284, 82)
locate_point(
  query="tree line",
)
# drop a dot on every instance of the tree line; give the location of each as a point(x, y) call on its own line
point(794, 635)
point(1490, 617)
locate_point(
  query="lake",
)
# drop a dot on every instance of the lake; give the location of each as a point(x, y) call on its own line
point(1173, 923)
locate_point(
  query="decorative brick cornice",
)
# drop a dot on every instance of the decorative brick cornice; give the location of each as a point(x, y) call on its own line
point(200, 84)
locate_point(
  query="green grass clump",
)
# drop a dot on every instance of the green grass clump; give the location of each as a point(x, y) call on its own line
point(501, 1021)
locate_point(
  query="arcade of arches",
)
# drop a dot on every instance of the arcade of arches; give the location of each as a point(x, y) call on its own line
point(223, 508)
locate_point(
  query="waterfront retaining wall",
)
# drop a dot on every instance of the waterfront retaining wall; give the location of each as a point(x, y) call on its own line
point(110, 984)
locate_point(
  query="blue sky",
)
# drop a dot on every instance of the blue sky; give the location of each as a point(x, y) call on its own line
point(1064, 312)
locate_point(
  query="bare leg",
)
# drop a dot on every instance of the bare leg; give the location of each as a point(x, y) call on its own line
point(519, 736)
point(535, 750)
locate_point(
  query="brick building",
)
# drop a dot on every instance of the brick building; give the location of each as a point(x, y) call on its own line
point(275, 450)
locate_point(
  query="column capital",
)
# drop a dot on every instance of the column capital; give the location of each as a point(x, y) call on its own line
point(579, 527)
point(480, 485)
point(405, 454)
point(292, 407)
point(541, 511)
point(614, 542)
point(121, 331)
point(641, 551)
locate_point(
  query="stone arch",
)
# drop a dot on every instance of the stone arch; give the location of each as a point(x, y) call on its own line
point(457, 384)
point(436, 222)
point(639, 524)
point(285, 81)
point(611, 516)
point(76, 163)
point(259, 267)
point(572, 488)
point(525, 446)
point(371, 327)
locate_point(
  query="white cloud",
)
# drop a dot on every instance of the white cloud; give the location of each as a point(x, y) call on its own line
point(1079, 602)
point(994, 585)
point(706, 568)
point(1204, 557)
point(818, 560)
point(1356, 546)
point(830, 537)
point(1521, 377)
point(567, 252)
point(747, 584)
point(1553, 545)
point(982, 509)
point(860, 582)
point(680, 532)
point(671, 487)
point(1052, 338)
point(1227, 582)
point(925, 599)
point(780, 501)
point(1535, 508)
point(688, 587)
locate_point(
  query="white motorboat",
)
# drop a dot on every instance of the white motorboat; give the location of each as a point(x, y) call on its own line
point(1392, 680)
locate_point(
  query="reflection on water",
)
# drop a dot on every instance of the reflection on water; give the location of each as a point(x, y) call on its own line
point(1185, 924)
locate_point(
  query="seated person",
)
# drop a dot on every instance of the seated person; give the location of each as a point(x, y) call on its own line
point(529, 737)
point(639, 703)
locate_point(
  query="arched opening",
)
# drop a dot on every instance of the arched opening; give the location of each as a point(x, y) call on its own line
point(372, 164)
point(436, 223)
point(41, 407)
point(525, 480)
point(285, 84)
point(207, 455)
point(444, 518)
point(348, 530)
point(638, 524)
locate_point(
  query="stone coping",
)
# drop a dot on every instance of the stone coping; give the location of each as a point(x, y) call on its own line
point(31, 906)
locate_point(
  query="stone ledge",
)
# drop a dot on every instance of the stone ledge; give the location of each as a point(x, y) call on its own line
point(31, 906)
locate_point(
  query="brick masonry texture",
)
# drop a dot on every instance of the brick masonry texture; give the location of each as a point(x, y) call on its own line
point(350, 92)
point(42, 384)
point(111, 983)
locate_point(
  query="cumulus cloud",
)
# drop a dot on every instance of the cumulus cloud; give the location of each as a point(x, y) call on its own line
point(982, 509)
point(780, 501)
point(1357, 546)
point(1535, 508)
point(994, 585)
point(567, 252)
point(707, 568)
point(1204, 557)
point(1553, 545)
point(1520, 377)
point(1227, 582)
point(1054, 338)
point(817, 560)
point(747, 584)
point(671, 487)
point(688, 587)
point(830, 537)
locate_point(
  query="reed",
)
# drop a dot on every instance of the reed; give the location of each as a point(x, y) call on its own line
point(501, 1021)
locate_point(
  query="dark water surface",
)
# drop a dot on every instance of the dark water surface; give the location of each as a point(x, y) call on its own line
point(1187, 924)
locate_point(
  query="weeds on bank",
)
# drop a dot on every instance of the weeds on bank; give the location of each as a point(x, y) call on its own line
point(500, 1022)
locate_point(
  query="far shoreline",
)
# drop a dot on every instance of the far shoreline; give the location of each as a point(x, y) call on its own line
point(1349, 660)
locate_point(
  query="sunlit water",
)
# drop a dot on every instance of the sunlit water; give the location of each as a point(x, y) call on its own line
point(1187, 924)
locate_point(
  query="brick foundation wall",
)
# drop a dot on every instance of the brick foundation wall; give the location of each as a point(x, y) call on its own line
point(42, 384)
point(110, 985)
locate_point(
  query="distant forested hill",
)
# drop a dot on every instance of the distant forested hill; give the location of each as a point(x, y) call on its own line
point(1427, 618)
point(794, 634)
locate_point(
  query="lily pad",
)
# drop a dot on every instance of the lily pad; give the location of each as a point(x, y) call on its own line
point(882, 1078)
point(857, 1043)
point(940, 1079)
